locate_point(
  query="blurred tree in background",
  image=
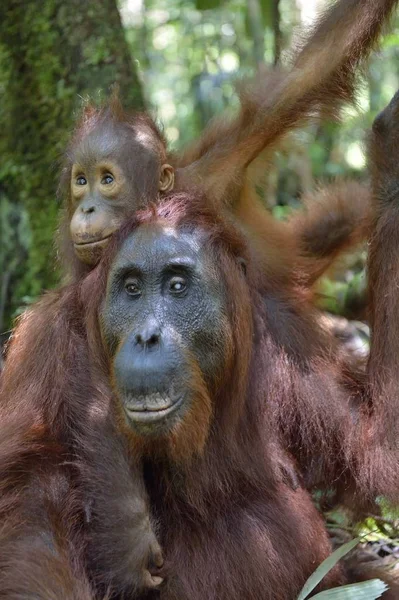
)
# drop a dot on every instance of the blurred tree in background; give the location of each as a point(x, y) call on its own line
point(179, 58)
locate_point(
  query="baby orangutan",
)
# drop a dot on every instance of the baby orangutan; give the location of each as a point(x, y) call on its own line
point(113, 162)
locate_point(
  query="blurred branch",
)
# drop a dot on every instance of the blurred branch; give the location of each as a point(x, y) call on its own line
point(276, 30)
point(255, 21)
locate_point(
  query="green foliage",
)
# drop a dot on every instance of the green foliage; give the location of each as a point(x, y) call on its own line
point(342, 297)
point(207, 4)
point(325, 567)
point(367, 590)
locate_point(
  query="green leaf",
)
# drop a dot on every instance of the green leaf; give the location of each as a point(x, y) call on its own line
point(326, 566)
point(367, 590)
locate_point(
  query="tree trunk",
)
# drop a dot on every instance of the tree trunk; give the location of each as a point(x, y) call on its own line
point(52, 52)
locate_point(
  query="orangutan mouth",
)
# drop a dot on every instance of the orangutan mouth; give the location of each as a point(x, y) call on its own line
point(94, 243)
point(152, 407)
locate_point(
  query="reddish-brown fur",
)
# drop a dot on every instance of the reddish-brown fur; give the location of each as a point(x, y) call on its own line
point(41, 513)
point(43, 510)
point(57, 407)
point(215, 488)
point(334, 219)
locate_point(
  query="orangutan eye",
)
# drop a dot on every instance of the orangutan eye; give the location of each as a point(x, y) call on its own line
point(132, 288)
point(81, 180)
point(107, 179)
point(177, 285)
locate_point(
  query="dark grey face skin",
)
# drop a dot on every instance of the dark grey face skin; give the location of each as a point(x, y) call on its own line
point(164, 309)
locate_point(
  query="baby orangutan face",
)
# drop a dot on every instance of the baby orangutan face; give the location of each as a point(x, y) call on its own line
point(115, 169)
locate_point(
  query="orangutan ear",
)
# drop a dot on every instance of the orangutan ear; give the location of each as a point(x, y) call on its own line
point(167, 178)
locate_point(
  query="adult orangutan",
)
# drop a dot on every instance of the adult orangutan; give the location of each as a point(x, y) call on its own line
point(204, 355)
point(186, 333)
point(178, 318)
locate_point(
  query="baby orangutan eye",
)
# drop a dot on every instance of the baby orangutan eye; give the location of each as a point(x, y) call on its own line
point(177, 285)
point(81, 180)
point(107, 179)
point(132, 288)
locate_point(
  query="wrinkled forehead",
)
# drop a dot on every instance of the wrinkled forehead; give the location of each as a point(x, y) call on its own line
point(115, 141)
point(155, 244)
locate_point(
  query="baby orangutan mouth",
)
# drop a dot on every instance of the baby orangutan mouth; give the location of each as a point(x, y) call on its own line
point(152, 407)
point(92, 243)
point(90, 251)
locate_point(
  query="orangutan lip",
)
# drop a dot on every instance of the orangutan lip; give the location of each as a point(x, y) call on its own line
point(147, 414)
point(93, 242)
